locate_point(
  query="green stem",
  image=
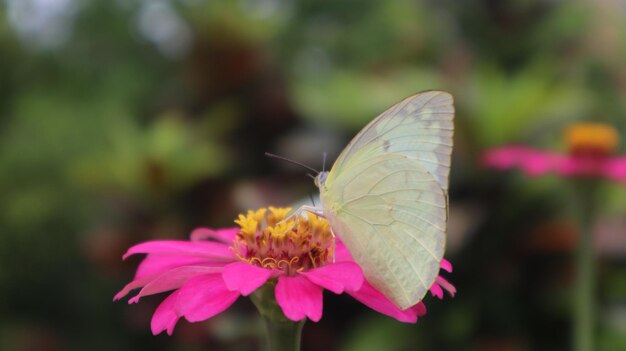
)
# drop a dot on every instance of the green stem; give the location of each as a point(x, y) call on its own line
point(281, 334)
point(585, 268)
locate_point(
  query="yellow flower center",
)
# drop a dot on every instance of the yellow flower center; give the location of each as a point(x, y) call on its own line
point(271, 239)
point(594, 139)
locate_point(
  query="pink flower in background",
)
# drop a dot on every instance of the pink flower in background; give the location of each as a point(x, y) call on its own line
point(210, 272)
point(591, 147)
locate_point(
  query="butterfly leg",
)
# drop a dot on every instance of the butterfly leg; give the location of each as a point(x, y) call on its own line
point(318, 211)
point(304, 208)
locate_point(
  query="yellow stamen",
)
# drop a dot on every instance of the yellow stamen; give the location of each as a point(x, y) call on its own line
point(247, 224)
point(277, 214)
point(271, 239)
point(592, 139)
point(258, 214)
point(281, 229)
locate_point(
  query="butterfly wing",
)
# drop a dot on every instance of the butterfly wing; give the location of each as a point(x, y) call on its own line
point(386, 196)
point(420, 127)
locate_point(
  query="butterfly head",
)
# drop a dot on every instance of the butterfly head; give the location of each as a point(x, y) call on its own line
point(320, 179)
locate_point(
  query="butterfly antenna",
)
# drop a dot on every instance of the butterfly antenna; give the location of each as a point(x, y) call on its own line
point(312, 199)
point(310, 176)
point(291, 161)
point(324, 162)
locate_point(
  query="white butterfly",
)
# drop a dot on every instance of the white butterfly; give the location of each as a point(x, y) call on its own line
point(386, 196)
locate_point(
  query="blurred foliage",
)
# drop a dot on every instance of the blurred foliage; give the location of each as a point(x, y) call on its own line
point(524, 104)
point(166, 156)
point(122, 121)
point(363, 95)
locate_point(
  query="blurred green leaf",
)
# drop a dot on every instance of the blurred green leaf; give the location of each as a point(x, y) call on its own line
point(379, 333)
point(166, 156)
point(503, 108)
point(350, 99)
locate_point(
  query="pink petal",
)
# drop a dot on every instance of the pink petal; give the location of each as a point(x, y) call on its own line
point(299, 298)
point(341, 252)
point(173, 279)
point(135, 284)
point(536, 163)
point(446, 265)
point(420, 309)
point(375, 300)
point(437, 291)
point(165, 317)
point(582, 166)
point(337, 277)
point(446, 285)
point(206, 249)
point(532, 162)
point(244, 277)
point(203, 297)
point(225, 235)
point(155, 264)
point(616, 169)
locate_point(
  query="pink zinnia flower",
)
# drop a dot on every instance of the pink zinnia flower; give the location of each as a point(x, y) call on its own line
point(299, 255)
point(591, 147)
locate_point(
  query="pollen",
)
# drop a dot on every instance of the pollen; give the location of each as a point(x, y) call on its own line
point(592, 139)
point(273, 239)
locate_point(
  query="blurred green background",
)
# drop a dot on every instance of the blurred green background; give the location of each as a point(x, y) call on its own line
point(129, 120)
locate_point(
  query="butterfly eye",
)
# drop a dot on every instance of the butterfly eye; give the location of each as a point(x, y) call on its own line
point(321, 179)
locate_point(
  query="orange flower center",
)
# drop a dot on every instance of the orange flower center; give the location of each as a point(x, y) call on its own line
point(271, 239)
point(594, 139)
